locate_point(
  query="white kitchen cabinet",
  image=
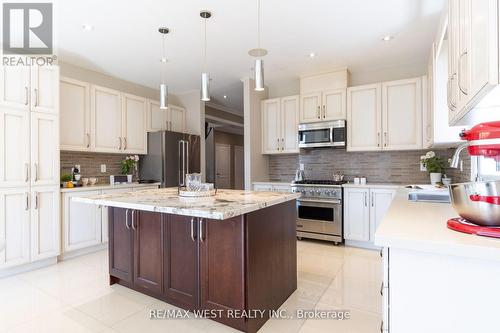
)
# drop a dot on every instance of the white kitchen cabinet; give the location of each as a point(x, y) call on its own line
point(310, 107)
point(176, 117)
point(45, 223)
point(380, 200)
point(280, 122)
point(44, 149)
point(272, 187)
point(364, 113)
point(263, 187)
point(106, 120)
point(356, 214)
point(14, 147)
point(364, 209)
point(134, 131)
point(402, 114)
point(15, 226)
point(81, 222)
point(334, 104)
point(473, 59)
point(74, 115)
point(45, 89)
point(15, 87)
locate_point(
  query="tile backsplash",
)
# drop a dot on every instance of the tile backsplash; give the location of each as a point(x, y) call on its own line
point(378, 167)
point(90, 164)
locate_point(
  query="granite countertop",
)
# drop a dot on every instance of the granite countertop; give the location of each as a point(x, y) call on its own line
point(226, 204)
point(421, 226)
point(106, 187)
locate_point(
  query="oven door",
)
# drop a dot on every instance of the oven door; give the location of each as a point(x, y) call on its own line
point(317, 137)
point(322, 217)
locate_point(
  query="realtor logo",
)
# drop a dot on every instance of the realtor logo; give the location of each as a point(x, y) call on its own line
point(27, 28)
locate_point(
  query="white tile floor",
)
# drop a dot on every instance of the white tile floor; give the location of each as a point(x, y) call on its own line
point(74, 296)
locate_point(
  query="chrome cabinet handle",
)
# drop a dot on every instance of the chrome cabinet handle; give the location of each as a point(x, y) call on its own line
point(27, 173)
point(26, 96)
point(459, 79)
point(27, 201)
point(125, 143)
point(133, 220)
point(88, 140)
point(382, 327)
point(36, 96)
point(366, 201)
point(372, 199)
point(192, 229)
point(378, 139)
point(382, 289)
point(318, 113)
point(324, 111)
point(201, 231)
point(35, 166)
point(120, 140)
point(385, 139)
point(126, 219)
point(181, 160)
point(282, 144)
point(36, 200)
point(187, 156)
point(381, 253)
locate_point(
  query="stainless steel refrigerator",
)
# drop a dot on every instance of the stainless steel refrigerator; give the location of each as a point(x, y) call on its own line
point(170, 157)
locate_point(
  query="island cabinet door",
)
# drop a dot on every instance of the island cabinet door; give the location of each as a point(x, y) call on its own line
point(181, 261)
point(222, 262)
point(148, 249)
point(120, 244)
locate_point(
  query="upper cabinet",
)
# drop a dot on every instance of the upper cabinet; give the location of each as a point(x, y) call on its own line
point(171, 119)
point(473, 59)
point(280, 120)
point(386, 116)
point(134, 124)
point(323, 96)
point(15, 87)
point(45, 89)
point(106, 120)
point(75, 115)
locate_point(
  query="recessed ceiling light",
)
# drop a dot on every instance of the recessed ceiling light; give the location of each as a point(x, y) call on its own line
point(312, 55)
point(225, 96)
point(163, 59)
point(87, 27)
point(387, 38)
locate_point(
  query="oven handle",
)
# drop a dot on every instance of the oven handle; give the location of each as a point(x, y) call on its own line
point(317, 203)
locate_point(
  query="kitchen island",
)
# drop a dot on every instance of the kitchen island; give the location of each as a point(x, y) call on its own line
point(233, 254)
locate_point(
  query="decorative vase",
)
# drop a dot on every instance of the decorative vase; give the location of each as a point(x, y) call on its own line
point(129, 178)
point(435, 177)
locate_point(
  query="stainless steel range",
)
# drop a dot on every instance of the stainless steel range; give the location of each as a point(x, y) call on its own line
point(319, 209)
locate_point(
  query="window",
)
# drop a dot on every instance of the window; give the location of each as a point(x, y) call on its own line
point(487, 168)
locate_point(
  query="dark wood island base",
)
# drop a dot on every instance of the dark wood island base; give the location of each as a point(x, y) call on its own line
point(248, 262)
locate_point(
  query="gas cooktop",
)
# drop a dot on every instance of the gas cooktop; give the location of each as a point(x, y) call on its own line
point(319, 182)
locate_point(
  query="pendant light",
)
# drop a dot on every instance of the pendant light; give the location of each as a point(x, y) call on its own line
point(258, 53)
point(163, 86)
point(205, 77)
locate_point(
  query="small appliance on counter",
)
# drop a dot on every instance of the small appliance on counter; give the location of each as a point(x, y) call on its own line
point(118, 179)
point(478, 203)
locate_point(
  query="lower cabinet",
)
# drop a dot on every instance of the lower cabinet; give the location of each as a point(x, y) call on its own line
point(364, 209)
point(272, 187)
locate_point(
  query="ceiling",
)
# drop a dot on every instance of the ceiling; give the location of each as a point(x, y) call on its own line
point(125, 43)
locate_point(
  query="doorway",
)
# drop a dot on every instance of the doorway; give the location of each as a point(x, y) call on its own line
point(223, 166)
point(239, 168)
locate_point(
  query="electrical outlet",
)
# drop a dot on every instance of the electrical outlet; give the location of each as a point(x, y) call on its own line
point(103, 168)
point(301, 166)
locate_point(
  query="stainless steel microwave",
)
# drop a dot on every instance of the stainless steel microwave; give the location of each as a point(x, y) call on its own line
point(325, 134)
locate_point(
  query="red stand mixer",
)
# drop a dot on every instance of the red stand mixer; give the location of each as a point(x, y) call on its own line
point(478, 203)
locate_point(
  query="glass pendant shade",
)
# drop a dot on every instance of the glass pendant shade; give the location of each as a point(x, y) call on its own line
point(259, 75)
point(205, 87)
point(163, 96)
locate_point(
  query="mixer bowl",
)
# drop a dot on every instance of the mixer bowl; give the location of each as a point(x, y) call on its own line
point(477, 202)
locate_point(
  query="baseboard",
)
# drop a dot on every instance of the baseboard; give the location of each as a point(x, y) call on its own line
point(27, 267)
point(361, 244)
point(81, 252)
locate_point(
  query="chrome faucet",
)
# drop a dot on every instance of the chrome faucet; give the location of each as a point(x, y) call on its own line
point(456, 156)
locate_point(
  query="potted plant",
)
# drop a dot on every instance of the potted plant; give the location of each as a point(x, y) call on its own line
point(66, 180)
point(435, 166)
point(128, 164)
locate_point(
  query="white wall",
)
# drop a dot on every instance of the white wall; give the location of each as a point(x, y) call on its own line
point(256, 164)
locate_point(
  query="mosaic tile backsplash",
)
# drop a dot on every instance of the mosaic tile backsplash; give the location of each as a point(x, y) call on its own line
point(402, 167)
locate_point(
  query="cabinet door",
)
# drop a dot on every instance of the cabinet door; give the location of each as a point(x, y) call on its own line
point(148, 249)
point(281, 188)
point(334, 104)
point(45, 89)
point(15, 227)
point(121, 244)
point(222, 272)
point(134, 124)
point(402, 114)
point(290, 124)
point(14, 148)
point(74, 115)
point(14, 87)
point(271, 126)
point(310, 107)
point(356, 214)
point(105, 120)
point(453, 55)
point(82, 222)
point(364, 118)
point(380, 200)
point(104, 213)
point(263, 187)
point(44, 149)
point(177, 119)
point(157, 118)
point(181, 261)
point(45, 225)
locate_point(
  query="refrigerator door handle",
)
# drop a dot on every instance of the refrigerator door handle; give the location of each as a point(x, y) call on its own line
point(187, 156)
point(180, 161)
